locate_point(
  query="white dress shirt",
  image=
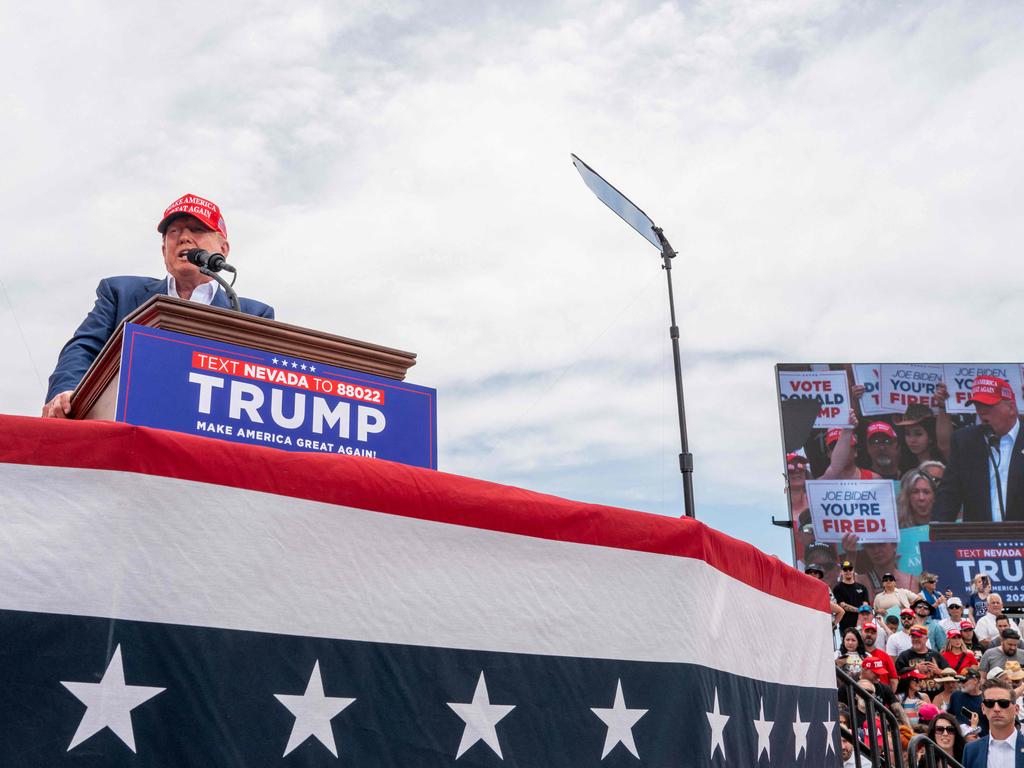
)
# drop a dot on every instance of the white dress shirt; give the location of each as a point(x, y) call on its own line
point(1001, 754)
point(1005, 455)
point(986, 628)
point(202, 294)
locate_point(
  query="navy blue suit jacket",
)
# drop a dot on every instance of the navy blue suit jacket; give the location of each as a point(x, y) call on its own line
point(966, 482)
point(117, 297)
point(976, 753)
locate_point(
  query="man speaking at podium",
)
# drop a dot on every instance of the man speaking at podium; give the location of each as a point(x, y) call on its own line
point(189, 222)
point(985, 472)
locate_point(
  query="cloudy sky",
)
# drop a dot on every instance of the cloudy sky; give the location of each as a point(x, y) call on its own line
point(838, 178)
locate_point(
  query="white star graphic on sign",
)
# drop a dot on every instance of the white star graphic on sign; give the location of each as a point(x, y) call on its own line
point(717, 722)
point(303, 366)
point(620, 722)
point(312, 369)
point(313, 713)
point(800, 735)
point(764, 734)
point(274, 360)
point(830, 727)
point(284, 362)
point(109, 703)
point(294, 364)
point(481, 718)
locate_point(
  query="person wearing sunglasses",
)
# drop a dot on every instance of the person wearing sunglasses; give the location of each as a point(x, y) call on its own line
point(955, 611)
point(945, 732)
point(1004, 747)
point(851, 595)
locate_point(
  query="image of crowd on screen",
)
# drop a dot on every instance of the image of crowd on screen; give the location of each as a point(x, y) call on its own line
point(913, 449)
point(930, 674)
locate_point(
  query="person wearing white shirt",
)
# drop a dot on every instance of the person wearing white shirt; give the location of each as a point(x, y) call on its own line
point(1004, 747)
point(989, 626)
point(899, 642)
point(980, 483)
point(955, 609)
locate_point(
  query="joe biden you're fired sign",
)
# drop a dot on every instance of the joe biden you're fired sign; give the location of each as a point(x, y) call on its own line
point(187, 384)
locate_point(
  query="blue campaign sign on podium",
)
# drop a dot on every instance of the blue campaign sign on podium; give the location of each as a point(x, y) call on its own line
point(188, 384)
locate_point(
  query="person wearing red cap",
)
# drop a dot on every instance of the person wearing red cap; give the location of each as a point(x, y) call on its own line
point(841, 449)
point(920, 658)
point(958, 656)
point(884, 450)
point(984, 479)
point(869, 632)
point(189, 222)
point(899, 642)
point(910, 695)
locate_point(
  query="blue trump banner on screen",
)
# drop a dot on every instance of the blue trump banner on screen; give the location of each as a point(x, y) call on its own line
point(323, 610)
point(187, 384)
point(956, 563)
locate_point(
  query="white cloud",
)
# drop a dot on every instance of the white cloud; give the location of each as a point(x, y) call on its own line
point(840, 180)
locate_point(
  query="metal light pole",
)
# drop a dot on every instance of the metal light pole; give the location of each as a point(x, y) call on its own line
point(641, 222)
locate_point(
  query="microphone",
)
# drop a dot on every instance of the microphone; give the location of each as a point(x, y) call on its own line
point(991, 437)
point(215, 262)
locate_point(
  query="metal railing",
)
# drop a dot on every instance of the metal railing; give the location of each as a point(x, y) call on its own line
point(880, 728)
point(933, 756)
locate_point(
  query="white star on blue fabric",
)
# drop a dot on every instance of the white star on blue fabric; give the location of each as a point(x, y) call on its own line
point(717, 721)
point(481, 719)
point(830, 727)
point(799, 735)
point(313, 713)
point(764, 734)
point(620, 722)
point(109, 703)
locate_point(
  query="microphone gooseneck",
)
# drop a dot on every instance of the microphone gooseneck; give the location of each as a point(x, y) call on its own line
point(212, 263)
point(215, 262)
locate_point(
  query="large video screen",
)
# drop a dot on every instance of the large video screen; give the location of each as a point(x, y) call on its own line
point(878, 452)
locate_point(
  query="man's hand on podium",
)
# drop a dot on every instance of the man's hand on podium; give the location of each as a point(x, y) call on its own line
point(59, 407)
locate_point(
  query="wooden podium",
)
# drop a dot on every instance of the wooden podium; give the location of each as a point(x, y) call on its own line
point(96, 395)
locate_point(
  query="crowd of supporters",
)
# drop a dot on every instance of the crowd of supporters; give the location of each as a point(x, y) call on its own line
point(945, 468)
point(925, 655)
point(910, 449)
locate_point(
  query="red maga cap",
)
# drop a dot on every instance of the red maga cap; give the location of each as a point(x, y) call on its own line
point(873, 663)
point(796, 461)
point(191, 205)
point(989, 390)
point(881, 428)
point(832, 436)
point(965, 624)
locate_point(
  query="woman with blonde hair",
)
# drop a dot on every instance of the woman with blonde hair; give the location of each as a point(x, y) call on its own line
point(916, 499)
